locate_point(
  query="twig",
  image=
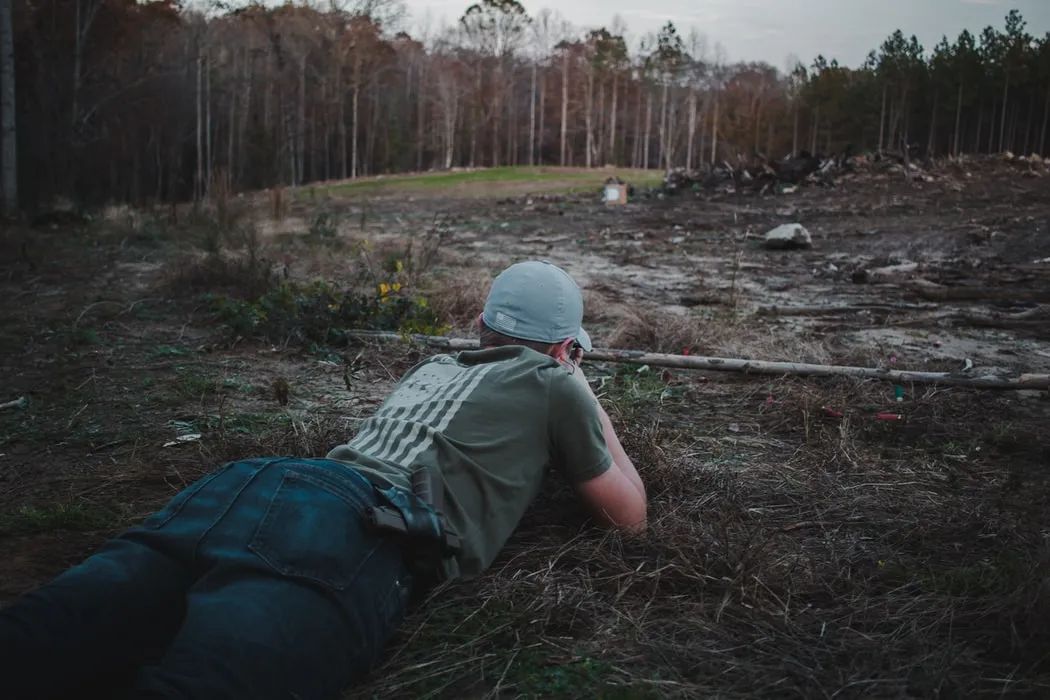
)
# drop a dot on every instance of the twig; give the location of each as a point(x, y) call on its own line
point(131, 307)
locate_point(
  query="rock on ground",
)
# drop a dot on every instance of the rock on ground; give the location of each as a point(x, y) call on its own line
point(788, 236)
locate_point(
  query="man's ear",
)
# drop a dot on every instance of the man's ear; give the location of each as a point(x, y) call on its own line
point(561, 351)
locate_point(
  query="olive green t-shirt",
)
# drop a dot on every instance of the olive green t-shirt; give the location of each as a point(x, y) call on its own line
point(491, 422)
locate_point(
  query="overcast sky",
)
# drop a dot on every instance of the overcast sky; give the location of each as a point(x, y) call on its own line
point(771, 30)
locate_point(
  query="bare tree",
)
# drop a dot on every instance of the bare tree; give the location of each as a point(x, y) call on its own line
point(547, 29)
point(494, 29)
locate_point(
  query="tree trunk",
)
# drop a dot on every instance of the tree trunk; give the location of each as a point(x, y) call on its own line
point(980, 124)
point(341, 118)
point(512, 124)
point(692, 131)
point(355, 113)
point(1006, 101)
point(612, 121)
point(450, 135)
point(672, 129)
point(301, 126)
point(159, 160)
point(794, 129)
point(564, 103)
point(588, 106)
point(991, 128)
point(599, 144)
point(8, 132)
point(931, 142)
point(1028, 125)
point(758, 124)
point(198, 185)
point(662, 156)
point(84, 17)
point(882, 119)
point(1046, 119)
point(496, 89)
point(958, 121)
point(702, 128)
point(543, 114)
point(232, 124)
point(420, 116)
point(636, 143)
point(816, 130)
point(714, 130)
point(532, 116)
point(370, 165)
point(648, 127)
point(207, 124)
point(246, 109)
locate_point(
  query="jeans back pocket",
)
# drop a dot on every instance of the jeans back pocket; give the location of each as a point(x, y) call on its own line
point(315, 529)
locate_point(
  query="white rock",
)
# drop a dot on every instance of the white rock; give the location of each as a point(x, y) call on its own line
point(788, 236)
point(903, 271)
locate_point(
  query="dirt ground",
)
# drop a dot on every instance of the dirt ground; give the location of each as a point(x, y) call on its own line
point(800, 545)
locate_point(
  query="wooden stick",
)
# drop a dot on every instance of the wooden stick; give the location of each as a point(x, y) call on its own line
point(936, 292)
point(837, 310)
point(724, 364)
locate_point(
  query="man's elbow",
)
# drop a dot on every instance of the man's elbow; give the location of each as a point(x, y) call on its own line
point(633, 520)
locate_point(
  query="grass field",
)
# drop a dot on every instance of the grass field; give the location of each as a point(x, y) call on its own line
point(799, 546)
point(488, 181)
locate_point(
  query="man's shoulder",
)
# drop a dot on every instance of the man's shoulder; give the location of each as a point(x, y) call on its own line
point(517, 354)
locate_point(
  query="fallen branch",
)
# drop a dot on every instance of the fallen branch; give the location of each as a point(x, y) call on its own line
point(21, 403)
point(826, 310)
point(936, 292)
point(723, 364)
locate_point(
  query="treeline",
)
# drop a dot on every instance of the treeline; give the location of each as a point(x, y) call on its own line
point(151, 102)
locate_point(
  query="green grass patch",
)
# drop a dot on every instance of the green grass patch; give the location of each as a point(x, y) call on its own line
point(533, 673)
point(190, 383)
point(63, 516)
point(169, 351)
point(633, 388)
point(540, 179)
point(242, 423)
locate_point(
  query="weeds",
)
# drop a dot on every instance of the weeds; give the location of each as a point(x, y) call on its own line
point(321, 313)
point(323, 227)
point(243, 277)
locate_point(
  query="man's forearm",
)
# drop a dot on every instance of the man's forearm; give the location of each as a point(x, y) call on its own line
point(612, 440)
point(619, 455)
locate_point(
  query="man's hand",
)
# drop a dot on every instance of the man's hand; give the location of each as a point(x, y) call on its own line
point(576, 355)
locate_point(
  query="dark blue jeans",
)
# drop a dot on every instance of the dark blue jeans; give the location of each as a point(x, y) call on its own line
point(258, 581)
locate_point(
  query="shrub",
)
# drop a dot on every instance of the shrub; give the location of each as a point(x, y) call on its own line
point(321, 313)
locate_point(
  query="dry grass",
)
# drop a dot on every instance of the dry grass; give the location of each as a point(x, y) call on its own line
point(458, 299)
point(724, 335)
point(799, 556)
point(240, 276)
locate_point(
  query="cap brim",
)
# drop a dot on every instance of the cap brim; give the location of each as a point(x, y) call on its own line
point(584, 340)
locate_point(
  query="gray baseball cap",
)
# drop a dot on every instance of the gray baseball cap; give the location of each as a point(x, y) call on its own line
point(536, 300)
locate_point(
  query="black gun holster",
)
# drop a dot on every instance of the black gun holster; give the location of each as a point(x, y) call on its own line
point(417, 517)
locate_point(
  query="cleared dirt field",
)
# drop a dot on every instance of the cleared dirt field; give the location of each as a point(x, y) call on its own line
point(800, 546)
